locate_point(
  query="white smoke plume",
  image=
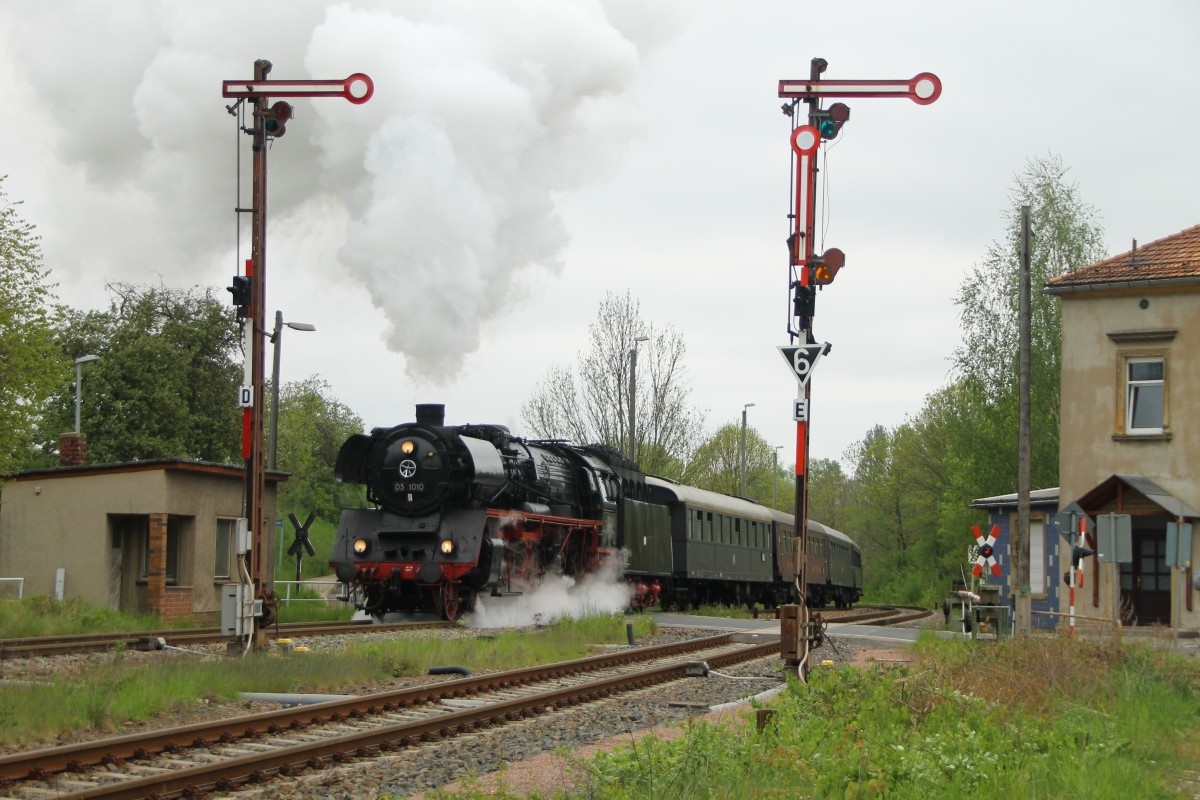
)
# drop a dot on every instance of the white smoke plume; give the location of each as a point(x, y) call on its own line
point(558, 597)
point(443, 187)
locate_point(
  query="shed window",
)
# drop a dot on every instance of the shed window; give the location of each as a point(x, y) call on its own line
point(1037, 557)
point(174, 541)
point(224, 548)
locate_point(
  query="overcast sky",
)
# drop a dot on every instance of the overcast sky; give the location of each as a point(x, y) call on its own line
point(451, 239)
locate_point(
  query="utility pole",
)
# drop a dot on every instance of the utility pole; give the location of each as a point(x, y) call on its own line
point(633, 353)
point(742, 450)
point(1019, 579)
point(775, 476)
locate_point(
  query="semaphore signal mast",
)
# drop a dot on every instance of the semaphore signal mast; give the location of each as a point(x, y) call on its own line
point(807, 272)
point(249, 604)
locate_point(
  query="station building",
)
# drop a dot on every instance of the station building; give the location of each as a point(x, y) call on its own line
point(144, 536)
point(1130, 419)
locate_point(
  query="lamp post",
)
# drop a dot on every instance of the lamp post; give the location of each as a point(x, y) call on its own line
point(79, 362)
point(275, 336)
point(633, 395)
point(742, 456)
point(775, 479)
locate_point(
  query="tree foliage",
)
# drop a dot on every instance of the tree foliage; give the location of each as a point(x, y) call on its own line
point(829, 493)
point(912, 485)
point(313, 425)
point(166, 382)
point(715, 466)
point(1066, 236)
point(31, 366)
point(593, 406)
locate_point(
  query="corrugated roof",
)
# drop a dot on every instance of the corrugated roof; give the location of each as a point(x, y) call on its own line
point(1172, 258)
point(1036, 496)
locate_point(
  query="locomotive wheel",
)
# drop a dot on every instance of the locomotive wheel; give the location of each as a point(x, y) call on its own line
point(447, 601)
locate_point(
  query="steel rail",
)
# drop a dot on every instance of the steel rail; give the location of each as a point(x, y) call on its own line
point(96, 642)
point(37, 764)
point(230, 774)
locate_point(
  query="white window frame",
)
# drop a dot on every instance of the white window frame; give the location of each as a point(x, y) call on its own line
point(1133, 387)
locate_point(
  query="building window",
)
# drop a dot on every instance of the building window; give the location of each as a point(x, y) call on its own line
point(1144, 395)
point(224, 548)
point(173, 537)
point(1037, 557)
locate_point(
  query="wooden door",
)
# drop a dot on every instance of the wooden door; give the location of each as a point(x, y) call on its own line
point(1146, 583)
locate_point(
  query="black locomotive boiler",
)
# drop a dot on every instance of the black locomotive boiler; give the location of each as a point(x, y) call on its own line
point(467, 510)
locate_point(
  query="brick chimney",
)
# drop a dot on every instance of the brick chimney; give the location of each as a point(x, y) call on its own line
point(72, 449)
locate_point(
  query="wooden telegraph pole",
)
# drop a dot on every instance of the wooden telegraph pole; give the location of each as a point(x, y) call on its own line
point(1019, 580)
point(807, 271)
point(270, 122)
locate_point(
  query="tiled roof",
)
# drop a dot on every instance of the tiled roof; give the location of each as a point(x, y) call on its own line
point(1173, 257)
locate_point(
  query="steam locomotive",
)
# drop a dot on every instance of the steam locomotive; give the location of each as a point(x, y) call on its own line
point(470, 510)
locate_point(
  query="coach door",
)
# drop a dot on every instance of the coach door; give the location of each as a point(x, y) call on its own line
point(1146, 582)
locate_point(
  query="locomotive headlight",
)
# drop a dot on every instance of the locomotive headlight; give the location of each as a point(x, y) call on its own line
point(447, 547)
point(360, 546)
point(407, 447)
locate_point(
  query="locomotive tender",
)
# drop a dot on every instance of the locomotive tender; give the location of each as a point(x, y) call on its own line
point(467, 510)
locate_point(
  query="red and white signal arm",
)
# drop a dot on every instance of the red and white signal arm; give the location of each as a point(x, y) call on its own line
point(987, 552)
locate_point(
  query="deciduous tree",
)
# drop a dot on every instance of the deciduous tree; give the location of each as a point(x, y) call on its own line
point(313, 425)
point(166, 382)
point(31, 366)
point(593, 406)
point(1066, 237)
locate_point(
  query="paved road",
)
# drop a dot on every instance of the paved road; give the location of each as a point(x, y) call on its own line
point(865, 633)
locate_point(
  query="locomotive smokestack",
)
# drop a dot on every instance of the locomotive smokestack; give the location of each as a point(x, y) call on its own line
point(431, 414)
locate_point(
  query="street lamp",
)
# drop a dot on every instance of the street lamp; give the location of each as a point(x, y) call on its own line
point(775, 479)
point(79, 362)
point(633, 395)
point(742, 458)
point(279, 326)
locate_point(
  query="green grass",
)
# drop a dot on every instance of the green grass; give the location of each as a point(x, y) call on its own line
point(731, 612)
point(120, 691)
point(40, 615)
point(1032, 718)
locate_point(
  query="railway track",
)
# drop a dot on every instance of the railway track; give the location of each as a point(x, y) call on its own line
point(882, 615)
point(153, 640)
point(225, 754)
point(177, 637)
point(866, 615)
